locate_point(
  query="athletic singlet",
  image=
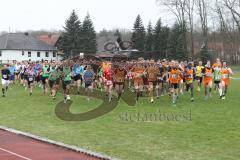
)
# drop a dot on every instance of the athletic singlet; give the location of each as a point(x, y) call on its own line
point(174, 76)
point(217, 74)
point(199, 71)
point(225, 74)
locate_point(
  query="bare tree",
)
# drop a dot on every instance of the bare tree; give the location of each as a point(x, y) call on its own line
point(189, 9)
point(177, 7)
point(234, 7)
point(202, 10)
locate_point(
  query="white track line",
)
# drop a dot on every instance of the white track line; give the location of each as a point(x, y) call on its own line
point(60, 144)
point(15, 154)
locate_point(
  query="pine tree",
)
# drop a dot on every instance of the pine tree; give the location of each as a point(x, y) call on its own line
point(177, 42)
point(149, 38)
point(70, 37)
point(88, 36)
point(138, 35)
point(158, 36)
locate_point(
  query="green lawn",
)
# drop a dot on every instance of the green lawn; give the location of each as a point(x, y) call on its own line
point(213, 133)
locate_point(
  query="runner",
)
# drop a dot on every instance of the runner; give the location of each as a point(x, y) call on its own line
point(189, 76)
point(54, 80)
point(17, 73)
point(66, 80)
point(108, 81)
point(174, 80)
point(217, 76)
point(208, 79)
point(77, 70)
point(119, 79)
point(5, 79)
point(152, 73)
point(138, 73)
point(199, 76)
point(88, 78)
point(45, 75)
point(30, 78)
point(225, 78)
point(12, 70)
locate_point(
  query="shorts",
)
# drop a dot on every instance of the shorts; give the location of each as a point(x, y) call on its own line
point(145, 81)
point(30, 81)
point(87, 85)
point(189, 86)
point(175, 85)
point(138, 83)
point(119, 83)
point(52, 83)
point(206, 83)
point(25, 77)
point(38, 78)
point(5, 83)
point(12, 77)
point(22, 76)
point(217, 82)
point(77, 77)
point(226, 81)
point(108, 83)
point(199, 78)
point(65, 84)
point(44, 79)
point(153, 82)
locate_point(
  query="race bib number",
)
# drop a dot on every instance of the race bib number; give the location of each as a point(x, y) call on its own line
point(174, 76)
point(209, 74)
point(5, 76)
point(225, 76)
point(109, 83)
point(190, 76)
point(119, 80)
point(218, 77)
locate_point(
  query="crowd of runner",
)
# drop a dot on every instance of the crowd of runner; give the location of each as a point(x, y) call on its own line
point(144, 77)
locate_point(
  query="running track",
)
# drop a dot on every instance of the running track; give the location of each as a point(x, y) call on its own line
point(18, 147)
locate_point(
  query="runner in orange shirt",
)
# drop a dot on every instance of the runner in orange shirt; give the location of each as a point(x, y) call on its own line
point(225, 78)
point(138, 72)
point(152, 73)
point(189, 77)
point(119, 79)
point(174, 80)
point(208, 79)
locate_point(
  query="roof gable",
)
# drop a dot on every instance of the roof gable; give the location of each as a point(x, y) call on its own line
point(20, 41)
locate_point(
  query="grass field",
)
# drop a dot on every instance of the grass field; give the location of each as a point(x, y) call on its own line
point(213, 133)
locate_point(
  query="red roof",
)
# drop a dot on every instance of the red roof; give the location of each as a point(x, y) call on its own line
point(49, 39)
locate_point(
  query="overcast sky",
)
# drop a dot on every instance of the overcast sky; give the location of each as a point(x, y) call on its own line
point(21, 15)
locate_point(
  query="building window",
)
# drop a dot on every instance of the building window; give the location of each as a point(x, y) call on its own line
point(22, 53)
point(38, 54)
point(47, 54)
point(0, 53)
point(54, 54)
point(29, 54)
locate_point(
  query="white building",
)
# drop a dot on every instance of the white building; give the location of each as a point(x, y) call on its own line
point(20, 47)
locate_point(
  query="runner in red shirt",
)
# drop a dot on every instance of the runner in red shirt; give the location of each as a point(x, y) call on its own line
point(108, 81)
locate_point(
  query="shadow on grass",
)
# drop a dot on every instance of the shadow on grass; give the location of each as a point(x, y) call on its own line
point(62, 110)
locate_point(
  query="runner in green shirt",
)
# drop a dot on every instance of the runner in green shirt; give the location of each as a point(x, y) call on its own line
point(45, 75)
point(66, 80)
point(54, 80)
point(217, 77)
